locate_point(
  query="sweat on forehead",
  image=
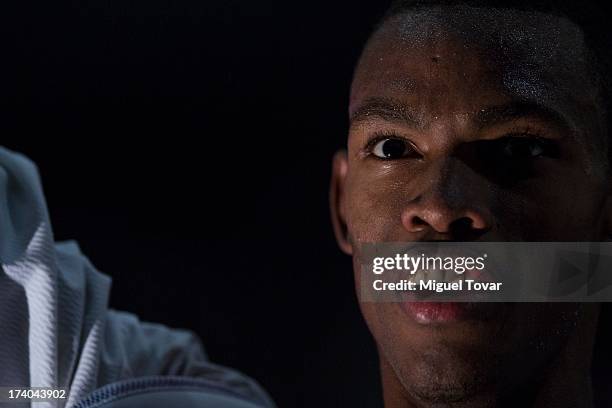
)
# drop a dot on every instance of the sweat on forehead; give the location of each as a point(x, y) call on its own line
point(545, 44)
point(487, 26)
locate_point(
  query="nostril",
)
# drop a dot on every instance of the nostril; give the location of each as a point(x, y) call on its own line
point(438, 217)
point(462, 224)
point(417, 223)
point(466, 229)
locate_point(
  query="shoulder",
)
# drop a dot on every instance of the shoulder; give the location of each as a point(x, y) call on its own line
point(135, 349)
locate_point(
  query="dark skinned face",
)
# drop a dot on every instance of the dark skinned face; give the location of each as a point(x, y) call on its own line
point(471, 124)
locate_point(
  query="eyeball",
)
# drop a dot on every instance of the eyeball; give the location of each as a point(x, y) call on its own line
point(391, 148)
point(523, 148)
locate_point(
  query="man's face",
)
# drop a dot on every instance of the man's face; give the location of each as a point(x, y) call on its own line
point(472, 124)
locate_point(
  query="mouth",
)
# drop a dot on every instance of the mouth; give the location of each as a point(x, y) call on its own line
point(441, 284)
point(434, 312)
point(440, 312)
point(430, 312)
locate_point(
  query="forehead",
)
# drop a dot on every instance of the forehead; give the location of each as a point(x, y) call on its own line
point(482, 54)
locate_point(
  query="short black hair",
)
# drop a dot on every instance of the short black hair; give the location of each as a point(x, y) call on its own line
point(588, 15)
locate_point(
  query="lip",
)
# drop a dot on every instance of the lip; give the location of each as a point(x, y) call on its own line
point(447, 311)
point(429, 308)
point(436, 312)
point(440, 313)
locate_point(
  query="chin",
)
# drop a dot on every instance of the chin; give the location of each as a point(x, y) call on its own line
point(457, 365)
point(442, 375)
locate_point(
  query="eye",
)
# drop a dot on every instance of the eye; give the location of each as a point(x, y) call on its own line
point(392, 148)
point(526, 147)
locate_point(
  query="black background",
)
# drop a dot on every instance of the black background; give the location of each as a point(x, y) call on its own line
point(186, 145)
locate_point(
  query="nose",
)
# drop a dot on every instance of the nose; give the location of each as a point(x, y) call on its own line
point(440, 218)
point(450, 207)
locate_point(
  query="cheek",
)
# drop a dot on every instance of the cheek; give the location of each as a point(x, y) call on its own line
point(374, 207)
point(380, 317)
point(565, 209)
point(369, 310)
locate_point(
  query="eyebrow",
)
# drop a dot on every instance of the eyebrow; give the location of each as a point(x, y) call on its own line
point(395, 111)
point(387, 109)
point(495, 115)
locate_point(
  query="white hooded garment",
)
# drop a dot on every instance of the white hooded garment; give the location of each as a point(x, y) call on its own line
point(55, 327)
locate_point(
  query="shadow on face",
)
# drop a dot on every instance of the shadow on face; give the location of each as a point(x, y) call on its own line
point(473, 124)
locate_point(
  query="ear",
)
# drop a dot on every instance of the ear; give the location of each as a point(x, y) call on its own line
point(337, 200)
